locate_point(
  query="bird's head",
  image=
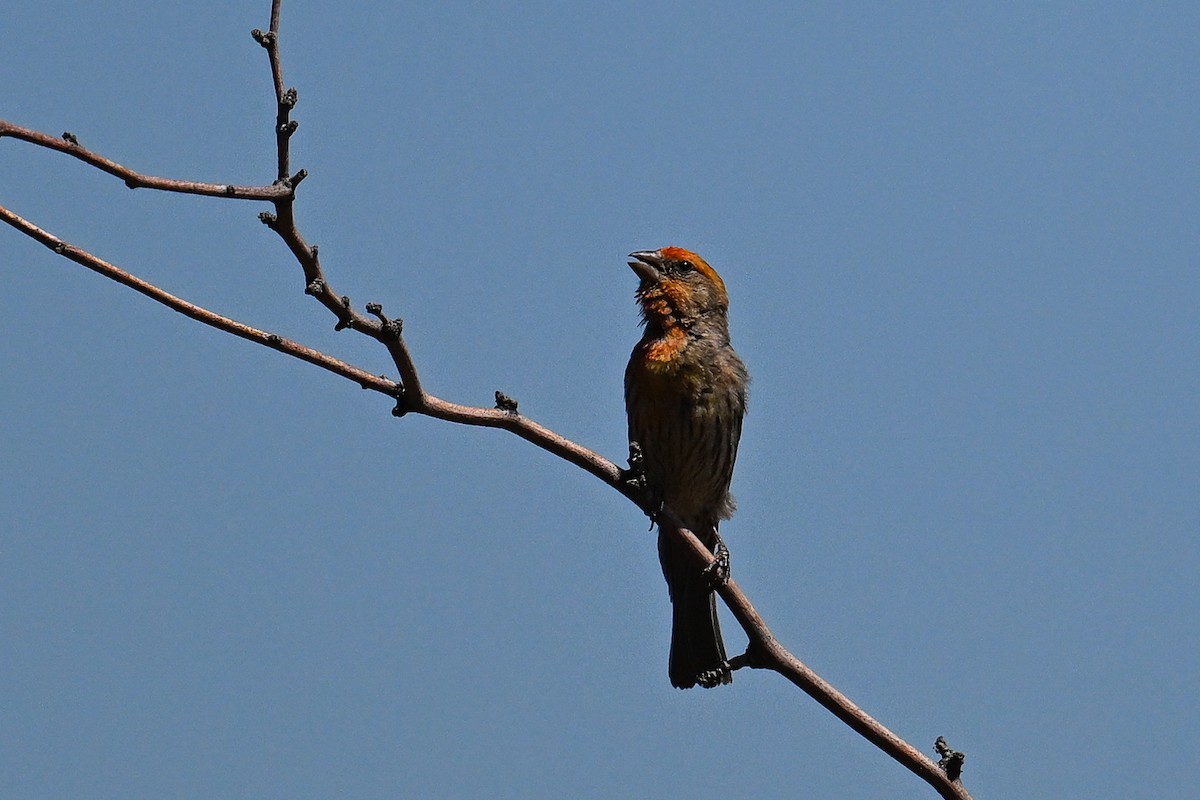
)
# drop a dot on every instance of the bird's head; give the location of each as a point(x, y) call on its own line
point(677, 287)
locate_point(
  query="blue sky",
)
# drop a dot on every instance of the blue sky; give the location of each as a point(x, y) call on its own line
point(961, 245)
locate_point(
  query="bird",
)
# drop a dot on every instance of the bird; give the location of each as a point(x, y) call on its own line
point(685, 397)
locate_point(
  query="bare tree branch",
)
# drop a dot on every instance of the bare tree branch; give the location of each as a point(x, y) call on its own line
point(763, 651)
point(363, 378)
point(69, 143)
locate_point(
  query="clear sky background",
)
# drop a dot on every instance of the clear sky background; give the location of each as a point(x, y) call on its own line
point(961, 243)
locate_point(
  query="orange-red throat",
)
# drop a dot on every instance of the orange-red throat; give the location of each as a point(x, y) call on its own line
point(677, 286)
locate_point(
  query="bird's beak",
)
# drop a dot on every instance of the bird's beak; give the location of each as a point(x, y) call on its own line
point(646, 264)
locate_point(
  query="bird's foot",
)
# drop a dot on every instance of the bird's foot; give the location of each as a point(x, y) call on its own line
point(635, 479)
point(711, 678)
point(717, 572)
point(635, 476)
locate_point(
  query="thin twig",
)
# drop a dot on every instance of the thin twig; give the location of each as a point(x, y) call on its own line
point(69, 143)
point(363, 378)
point(283, 222)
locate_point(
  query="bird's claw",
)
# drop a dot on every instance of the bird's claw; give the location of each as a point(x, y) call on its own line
point(717, 571)
point(631, 478)
point(635, 479)
point(635, 476)
point(711, 678)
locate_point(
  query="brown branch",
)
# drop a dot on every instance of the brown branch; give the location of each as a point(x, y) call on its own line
point(389, 332)
point(283, 222)
point(763, 651)
point(68, 143)
point(363, 378)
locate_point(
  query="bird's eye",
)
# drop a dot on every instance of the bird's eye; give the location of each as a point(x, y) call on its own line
point(686, 266)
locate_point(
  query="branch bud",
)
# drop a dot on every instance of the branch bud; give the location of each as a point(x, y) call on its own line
point(505, 403)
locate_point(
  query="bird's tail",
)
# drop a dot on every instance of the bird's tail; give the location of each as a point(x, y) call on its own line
point(697, 652)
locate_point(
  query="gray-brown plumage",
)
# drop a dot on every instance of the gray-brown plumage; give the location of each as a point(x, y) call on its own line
point(685, 395)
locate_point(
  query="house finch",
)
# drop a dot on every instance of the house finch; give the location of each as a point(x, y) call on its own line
point(685, 393)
